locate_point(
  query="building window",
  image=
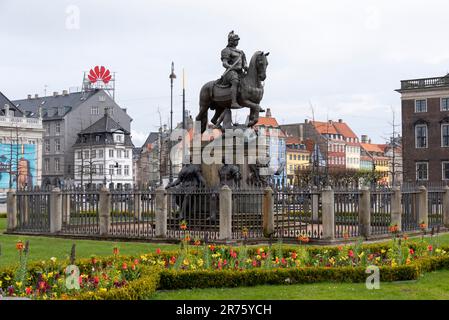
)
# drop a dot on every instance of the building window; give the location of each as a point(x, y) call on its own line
point(101, 98)
point(47, 129)
point(97, 138)
point(47, 145)
point(127, 154)
point(57, 145)
point(100, 169)
point(126, 170)
point(100, 153)
point(86, 154)
point(93, 170)
point(445, 104)
point(119, 170)
point(79, 155)
point(94, 111)
point(291, 157)
point(421, 105)
point(111, 153)
point(291, 168)
point(119, 153)
point(93, 154)
point(80, 170)
point(422, 171)
point(445, 135)
point(57, 128)
point(57, 165)
point(111, 169)
point(445, 168)
point(47, 165)
point(421, 136)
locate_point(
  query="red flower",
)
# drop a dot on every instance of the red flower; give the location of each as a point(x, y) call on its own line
point(136, 261)
point(10, 290)
point(124, 266)
point(94, 261)
point(225, 262)
point(212, 247)
point(254, 263)
point(371, 257)
point(351, 253)
point(28, 290)
point(96, 280)
point(19, 245)
point(41, 285)
point(294, 255)
point(115, 251)
point(430, 248)
point(158, 251)
point(264, 255)
point(412, 252)
point(233, 254)
point(340, 248)
point(283, 261)
point(258, 251)
point(133, 267)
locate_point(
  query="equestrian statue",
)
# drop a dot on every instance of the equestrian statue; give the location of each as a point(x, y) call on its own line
point(239, 86)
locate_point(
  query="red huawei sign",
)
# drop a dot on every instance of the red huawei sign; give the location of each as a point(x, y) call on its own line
point(99, 74)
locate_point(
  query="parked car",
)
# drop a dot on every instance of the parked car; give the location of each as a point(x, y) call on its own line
point(2, 197)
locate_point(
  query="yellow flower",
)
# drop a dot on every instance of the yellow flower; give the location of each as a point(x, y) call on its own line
point(1, 283)
point(332, 260)
point(382, 251)
point(7, 278)
point(393, 263)
point(60, 280)
point(44, 276)
point(103, 289)
point(249, 260)
point(19, 284)
point(361, 254)
point(186, 262)
point(438, 250)
point(143, 258)
point(377, 259)
point(53, 259)
point(258, 257)
point(408, 261)
point(54, 286)
point(200, 262)
point(50, 274)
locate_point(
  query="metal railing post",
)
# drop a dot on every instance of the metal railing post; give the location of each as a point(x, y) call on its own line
point(55, 210)
point(396, 208)
point(328, 207)
point(365, 212)
point(225, 213)
point(104, 211)
point(161, 213)
point(268, 213)
point(11, 208)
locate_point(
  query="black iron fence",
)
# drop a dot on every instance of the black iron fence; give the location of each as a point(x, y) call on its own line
point(33, 210)
point(298, 213)
point(80, 211)
point(347, 213)
point(380, 211)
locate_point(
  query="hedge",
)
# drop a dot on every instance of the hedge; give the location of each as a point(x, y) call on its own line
point(3, 215)
point(174, 280)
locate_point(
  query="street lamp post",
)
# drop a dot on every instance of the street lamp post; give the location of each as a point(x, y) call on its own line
point(172, 76)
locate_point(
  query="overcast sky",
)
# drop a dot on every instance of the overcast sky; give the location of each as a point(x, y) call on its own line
point(345, 58)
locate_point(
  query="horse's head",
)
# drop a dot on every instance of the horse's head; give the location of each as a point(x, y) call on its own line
point(261, 65)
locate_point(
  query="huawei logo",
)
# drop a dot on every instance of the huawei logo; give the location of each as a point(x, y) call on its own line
point(99, 74)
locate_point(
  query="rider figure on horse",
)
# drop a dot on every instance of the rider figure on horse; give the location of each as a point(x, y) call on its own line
point(234, 61)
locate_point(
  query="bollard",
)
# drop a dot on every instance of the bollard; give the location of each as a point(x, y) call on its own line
point(225, 213)
point(268, 213)
point(365, 212)
point(328, 201)
point(396, 208)
point(161, 212)
point(11, 209)
point(55, 210)
point(446, 207)
point(423, 213)
point(104, 211)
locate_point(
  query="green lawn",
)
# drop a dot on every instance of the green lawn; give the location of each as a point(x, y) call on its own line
point(43, 248)
point(431, 286)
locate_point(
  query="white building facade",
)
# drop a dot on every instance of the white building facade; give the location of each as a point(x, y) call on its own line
point(103, 155)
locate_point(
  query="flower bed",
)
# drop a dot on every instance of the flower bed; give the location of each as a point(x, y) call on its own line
point(110, 278)
point(203, 266)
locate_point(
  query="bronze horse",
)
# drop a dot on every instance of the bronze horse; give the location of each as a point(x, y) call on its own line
point(217, 97)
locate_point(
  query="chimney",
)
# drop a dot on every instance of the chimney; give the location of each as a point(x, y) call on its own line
point(36, 96)
point(55, 93)
point(330, 121)
point(29, 96)
point(306, 121)
point(340, 120)
point(65, 93)
point(364, 138)
point(369, 141)
point(268, 113)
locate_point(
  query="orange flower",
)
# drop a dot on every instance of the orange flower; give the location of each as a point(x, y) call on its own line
point(183, 225)
point(303, 239)
point(158, 251)
point(115, 251)
point(393, 228)
point(294, 255)
point(422, 226)
point(212, 247)
point(19, 245)
point(197, 242)
point(187, 239)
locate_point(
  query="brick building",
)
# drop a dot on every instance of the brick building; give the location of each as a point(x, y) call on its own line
point(425, 129)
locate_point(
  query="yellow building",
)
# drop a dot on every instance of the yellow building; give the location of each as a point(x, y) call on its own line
point(298, 158)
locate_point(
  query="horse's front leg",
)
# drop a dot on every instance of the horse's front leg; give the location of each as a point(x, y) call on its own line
point(254, 113)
